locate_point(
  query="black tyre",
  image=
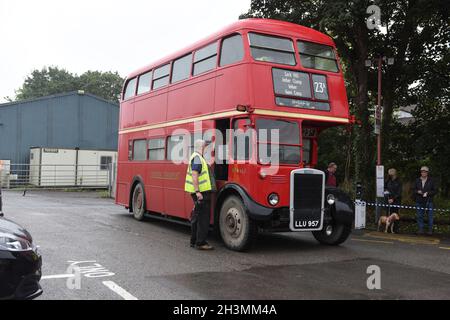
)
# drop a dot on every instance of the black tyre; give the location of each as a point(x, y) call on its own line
point(236, 228)
point(333, 234)
point(138, 202)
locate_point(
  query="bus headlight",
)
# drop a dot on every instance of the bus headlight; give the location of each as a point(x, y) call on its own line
point(273, 199)
point(331, 199)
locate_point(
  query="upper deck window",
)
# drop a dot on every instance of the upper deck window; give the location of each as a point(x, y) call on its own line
point(205, 59)
point(144, 83)
point(317, 56)
point(232, 50)
point(161, 76)
point(130, 89)
point(272, 49)
point(182, 68)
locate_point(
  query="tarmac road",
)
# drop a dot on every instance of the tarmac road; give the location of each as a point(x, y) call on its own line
point(121, 258)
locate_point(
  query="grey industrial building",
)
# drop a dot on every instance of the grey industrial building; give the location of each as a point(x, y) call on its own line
point(71, 120)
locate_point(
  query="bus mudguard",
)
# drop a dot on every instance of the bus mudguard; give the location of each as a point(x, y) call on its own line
point(342, 211)
point(254, 210)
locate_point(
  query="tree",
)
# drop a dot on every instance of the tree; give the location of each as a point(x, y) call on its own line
point(107, 85)
point(53, 80)
point(45, 82)
point(413, 29)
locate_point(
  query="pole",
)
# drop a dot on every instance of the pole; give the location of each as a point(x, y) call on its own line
point(379, 200)
point(379, 112)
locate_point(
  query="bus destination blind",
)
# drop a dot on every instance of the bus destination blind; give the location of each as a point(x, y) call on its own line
point(296, 89)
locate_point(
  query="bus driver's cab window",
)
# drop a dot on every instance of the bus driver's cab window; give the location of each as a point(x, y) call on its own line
point(307, 152)
point(242, 140)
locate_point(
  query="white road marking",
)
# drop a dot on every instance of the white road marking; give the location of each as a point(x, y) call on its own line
point(119, 290)
point(58, 276)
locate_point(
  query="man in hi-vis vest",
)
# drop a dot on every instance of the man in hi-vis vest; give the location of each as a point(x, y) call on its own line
point(200, 183)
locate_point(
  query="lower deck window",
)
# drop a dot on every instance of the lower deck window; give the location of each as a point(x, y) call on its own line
point(140, 150)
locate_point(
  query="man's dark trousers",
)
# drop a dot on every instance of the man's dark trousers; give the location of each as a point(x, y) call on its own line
point(200, 219)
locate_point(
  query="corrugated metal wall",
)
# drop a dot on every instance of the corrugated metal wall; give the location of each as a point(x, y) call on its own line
point(63, 121)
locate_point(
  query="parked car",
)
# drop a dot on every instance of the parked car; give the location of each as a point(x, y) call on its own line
point(20, 263)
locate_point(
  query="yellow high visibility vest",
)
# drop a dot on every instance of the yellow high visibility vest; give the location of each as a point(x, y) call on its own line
point(204, 179)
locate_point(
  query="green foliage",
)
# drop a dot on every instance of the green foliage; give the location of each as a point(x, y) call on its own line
point(52, 80)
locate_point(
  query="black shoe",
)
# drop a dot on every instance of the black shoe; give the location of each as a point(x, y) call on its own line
point(192, 245)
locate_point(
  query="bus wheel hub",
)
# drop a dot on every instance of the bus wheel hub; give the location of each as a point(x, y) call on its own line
point(139, 201)
point(329, 230)
point(233, 222)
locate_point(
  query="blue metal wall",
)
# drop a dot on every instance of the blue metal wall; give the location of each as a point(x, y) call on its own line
point(62, 121)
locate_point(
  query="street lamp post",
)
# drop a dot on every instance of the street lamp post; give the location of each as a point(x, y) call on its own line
point(378, 117)
point(378, 112)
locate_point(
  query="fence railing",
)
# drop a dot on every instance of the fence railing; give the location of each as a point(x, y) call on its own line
point(51, 176)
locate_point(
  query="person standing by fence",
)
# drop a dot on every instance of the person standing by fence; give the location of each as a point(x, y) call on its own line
point(330, 173)
point(424, 191)
point(393, 187)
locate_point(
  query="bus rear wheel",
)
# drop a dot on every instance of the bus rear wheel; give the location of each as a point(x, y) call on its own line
point(333, 234)
point(236, 228)
point(138, 201)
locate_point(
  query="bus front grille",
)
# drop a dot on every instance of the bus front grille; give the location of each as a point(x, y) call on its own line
point(307, 192)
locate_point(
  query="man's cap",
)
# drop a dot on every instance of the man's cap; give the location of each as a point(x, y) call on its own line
point(425, 169)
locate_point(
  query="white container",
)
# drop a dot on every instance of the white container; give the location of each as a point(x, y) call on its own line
point(5, 170)
point(51, 167)
point(93, 168)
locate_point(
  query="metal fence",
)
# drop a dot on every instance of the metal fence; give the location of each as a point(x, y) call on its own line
point(58, 176)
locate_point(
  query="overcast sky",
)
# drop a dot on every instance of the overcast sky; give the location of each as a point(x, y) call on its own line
point(105, 35)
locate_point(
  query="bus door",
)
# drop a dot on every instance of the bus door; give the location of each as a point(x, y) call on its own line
point(221, 151)
point(241, 150)
point(174, 177)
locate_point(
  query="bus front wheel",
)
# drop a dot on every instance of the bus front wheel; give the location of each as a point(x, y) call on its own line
point(138, 201)
point(333, 234)
point(236, 228)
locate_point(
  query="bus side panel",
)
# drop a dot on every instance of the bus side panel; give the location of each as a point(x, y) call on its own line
point(232, 87)
point(263, 88)
point(126, 114)
point(174, 190)
point(154, 177)
point(338, 96)
point(122, 191)
point(196, 98)
point(151, 109)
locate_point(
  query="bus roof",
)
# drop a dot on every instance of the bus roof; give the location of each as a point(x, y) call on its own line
point(262, 25)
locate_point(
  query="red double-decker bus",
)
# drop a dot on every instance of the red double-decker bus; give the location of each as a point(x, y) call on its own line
point(253, 75)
